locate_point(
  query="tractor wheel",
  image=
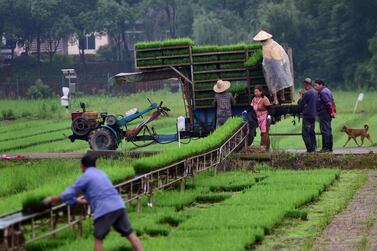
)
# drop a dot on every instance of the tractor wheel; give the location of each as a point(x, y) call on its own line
point(101, 139)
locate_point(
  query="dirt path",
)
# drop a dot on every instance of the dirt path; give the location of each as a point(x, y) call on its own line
point(355, 228)
point(342, 150)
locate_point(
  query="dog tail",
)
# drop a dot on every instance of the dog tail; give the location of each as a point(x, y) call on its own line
point(366, 126)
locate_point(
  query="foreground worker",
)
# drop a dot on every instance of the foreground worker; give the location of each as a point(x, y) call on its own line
point(105, 202)
point(326, 111)
point(276, 66)
point(223, 101)
point(307, 105)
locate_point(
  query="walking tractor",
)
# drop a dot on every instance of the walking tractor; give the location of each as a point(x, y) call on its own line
point(197, 68)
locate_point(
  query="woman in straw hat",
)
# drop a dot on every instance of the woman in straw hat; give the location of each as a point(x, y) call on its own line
point(276, 66)
point(223, 101)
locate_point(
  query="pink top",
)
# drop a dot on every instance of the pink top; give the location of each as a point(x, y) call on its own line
point(259, 105)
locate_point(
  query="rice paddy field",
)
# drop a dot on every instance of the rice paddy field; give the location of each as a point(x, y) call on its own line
point(48, 133)
point(257, 208)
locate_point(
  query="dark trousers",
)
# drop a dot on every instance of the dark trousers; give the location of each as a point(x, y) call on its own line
point(308, 134)
point(326, 131)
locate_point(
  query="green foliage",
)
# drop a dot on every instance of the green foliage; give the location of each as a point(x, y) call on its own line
point(38, 90)
point(210, 94)
point(106, 53)
point(165, 43)
point(7, 114)
point(232, 56)
point(199, 146)
point(201, 86)
point(254, 59)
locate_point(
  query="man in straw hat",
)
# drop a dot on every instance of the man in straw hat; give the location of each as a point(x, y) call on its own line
point(276, 66)
point(223, 101)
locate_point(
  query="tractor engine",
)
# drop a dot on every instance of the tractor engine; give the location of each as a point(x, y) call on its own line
point(83, 123)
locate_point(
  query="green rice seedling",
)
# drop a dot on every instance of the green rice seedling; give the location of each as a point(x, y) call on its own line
point(297, 214)
point(204, 48)
point(205, 67)
point(230, 57)
point(253, 46)
point(175, 52)
point(238, 88)
point(254, 59)
point(199, 146)
point(206, 76)
point(232, 66)
point(148, 44)
point(201, 86)
point(205, 58)
point(148, 54)
point(152, 62)
point(210, 94)
point(239, 74)
point(173, 61)
point(177, 42)
point(212, 198)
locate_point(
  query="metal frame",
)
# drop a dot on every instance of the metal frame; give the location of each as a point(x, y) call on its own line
point(16, 230)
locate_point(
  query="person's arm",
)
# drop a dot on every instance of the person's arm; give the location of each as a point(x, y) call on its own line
point(266, 102)
point(233, 98)
point(328, 101)
point(302, 101)
point(69, 193)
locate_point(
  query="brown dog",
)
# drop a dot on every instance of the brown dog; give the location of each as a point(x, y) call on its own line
point(354, 133)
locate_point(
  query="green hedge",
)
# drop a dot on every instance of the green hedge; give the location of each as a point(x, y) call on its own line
point(199, 146)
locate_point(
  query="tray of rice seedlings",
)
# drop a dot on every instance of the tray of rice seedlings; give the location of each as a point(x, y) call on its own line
point(199, 95)
point(206, 76)
point(240, 74)
point(229, 57)
point(152, 62)
point(176, 61)
point(200, 59)
point(175, 52)
point(148, 54)
point(205, 67)
point(238, 88)
point(166, 43)
point(199, 146)
point(203, 86)
point(232, 66)
point(254, 59)
point(204, 48)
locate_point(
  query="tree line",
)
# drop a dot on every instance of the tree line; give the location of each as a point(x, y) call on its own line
point(331, 39)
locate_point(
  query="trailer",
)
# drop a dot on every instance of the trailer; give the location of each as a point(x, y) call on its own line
point(197, 68)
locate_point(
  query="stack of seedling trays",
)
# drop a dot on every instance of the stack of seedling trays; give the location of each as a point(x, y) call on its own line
point(161, 54)
point(211, 63)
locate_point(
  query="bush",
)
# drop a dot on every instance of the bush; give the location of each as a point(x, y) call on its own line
point(8, 114)
point(38, 90)
point(105, 53)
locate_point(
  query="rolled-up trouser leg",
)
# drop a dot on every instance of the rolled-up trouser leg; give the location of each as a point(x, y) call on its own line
point(326, 131)
point(308, 134)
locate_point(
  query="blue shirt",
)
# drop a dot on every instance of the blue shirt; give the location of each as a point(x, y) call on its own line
point(324, 96)
point(308, 104)
point(98, 191)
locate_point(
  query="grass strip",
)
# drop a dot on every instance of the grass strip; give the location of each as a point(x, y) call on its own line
point(199, 146)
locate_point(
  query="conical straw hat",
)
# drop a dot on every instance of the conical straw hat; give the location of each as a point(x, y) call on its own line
point(221, 86)
point(262, 35)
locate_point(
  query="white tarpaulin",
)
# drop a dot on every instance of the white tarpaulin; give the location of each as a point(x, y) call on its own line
point(276, 66)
